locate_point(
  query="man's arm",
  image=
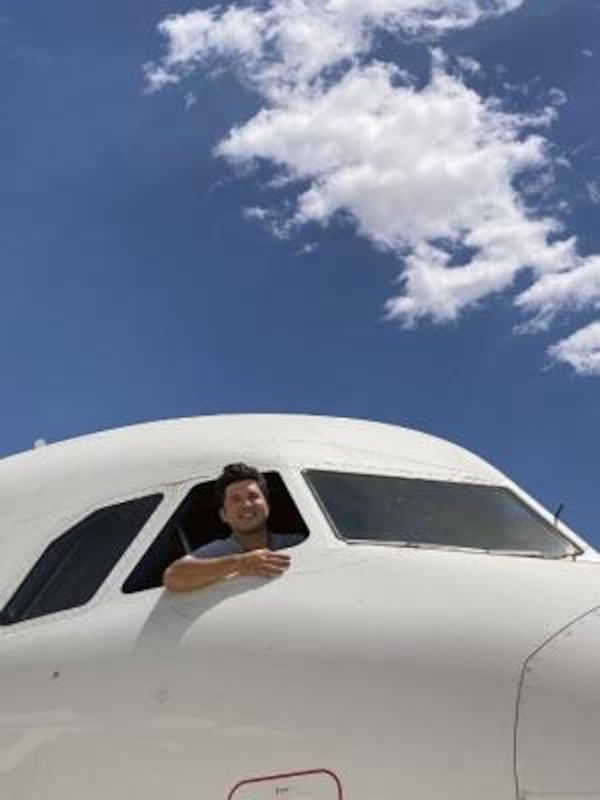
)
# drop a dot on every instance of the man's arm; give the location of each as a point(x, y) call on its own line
point(190, 573)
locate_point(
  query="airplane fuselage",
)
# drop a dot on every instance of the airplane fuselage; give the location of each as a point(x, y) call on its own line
point(371, 669)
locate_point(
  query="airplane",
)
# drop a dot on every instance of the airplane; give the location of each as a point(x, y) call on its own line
point(437, 636)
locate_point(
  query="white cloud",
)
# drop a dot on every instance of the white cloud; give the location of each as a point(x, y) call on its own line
point(307, 249)
point(581, 350)
point(278, 225)
point(557, 97)
point(429, 173)
point(469, 65)
point(576, 289)
point(256, 212)
point(193, 35)
point(190, 100)
point(419, 172)
point(283, 43)
point(593, 190)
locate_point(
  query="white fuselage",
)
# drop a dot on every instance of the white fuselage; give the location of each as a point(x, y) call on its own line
point(366, 672)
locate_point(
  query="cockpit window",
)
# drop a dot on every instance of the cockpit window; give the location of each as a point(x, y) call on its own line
point(197, 522)
point(434, 513)
point(74, 566)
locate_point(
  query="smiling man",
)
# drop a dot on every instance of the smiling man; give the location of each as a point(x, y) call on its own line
point(251, 547)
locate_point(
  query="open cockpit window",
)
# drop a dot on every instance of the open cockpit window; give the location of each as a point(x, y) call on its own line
point(74, 566)
point(414, 512)
point(197, 522)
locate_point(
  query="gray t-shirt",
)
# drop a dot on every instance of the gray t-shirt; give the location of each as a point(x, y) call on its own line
point(231, 546)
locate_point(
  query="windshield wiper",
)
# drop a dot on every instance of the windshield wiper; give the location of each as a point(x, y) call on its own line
point(533, 554)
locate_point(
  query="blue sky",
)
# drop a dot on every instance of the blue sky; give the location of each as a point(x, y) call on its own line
point(194, 220)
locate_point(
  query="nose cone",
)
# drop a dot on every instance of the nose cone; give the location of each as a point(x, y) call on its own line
point(558, 726)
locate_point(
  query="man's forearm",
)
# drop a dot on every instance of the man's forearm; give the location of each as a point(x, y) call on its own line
point(195, 573)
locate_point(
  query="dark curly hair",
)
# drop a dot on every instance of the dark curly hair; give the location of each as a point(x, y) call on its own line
point(232, 473)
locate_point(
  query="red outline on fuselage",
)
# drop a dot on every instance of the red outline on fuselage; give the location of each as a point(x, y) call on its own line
point(289, 775)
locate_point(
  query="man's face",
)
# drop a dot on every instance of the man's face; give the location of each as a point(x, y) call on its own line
point(245, 508)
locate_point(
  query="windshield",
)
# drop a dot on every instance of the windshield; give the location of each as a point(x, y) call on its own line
point(421, 512)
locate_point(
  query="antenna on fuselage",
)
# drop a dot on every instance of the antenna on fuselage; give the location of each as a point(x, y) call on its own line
point(558, 512)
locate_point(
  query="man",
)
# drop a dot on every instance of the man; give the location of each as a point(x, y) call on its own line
point(251, 547)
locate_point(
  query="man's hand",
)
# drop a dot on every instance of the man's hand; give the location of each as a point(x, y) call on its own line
point(263, 563)
point(190, 573)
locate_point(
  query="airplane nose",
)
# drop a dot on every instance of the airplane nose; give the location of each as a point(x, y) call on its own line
point(558, 722)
